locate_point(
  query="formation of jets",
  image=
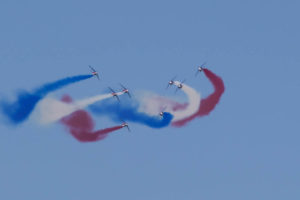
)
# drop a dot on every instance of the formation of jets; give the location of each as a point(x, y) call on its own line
point(125, 90)
point(171, 82)
point(113, 93)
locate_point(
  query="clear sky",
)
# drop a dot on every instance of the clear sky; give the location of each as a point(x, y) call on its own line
point(248, 148)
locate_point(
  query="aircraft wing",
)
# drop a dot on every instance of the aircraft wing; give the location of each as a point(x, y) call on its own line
point(123, 86)
point(111, 90)
point(117, 98)
point(93, 70)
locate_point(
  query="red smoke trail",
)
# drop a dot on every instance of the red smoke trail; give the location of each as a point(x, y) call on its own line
point(210, 102)
point(80, 124)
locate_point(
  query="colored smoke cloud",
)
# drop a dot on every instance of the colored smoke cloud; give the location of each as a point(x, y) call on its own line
point(51, 110)
point(81, 125)
point(19, 110)
point(128, 110)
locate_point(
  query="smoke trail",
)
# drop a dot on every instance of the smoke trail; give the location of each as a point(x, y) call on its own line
point(51, 110)
point(210, 102)
point(18, 111)
point(81, 125)
point(160, 103)
point(129, 111)
point(193, 105)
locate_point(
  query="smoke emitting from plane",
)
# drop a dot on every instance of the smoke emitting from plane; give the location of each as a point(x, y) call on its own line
point(19, 110)
point(154, 111)
point(51, 110)
point(180, 111)
point(210, 102)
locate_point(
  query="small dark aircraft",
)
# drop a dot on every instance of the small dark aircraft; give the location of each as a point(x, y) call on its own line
point(180, 86)
point(94, 72)
point(171, 82)
point(114, 94)
point(162, 112)
point(125, 90)
point(124, 124)
point(200, 68)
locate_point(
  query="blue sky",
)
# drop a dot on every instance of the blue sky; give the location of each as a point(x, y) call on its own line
point(246, 149)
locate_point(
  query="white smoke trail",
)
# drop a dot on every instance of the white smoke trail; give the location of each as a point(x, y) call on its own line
point(51, 110)
point(154, 104)
point(194, 99)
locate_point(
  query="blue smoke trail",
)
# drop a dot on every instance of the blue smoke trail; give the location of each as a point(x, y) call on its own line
point(19, 111)
point(128, 111)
